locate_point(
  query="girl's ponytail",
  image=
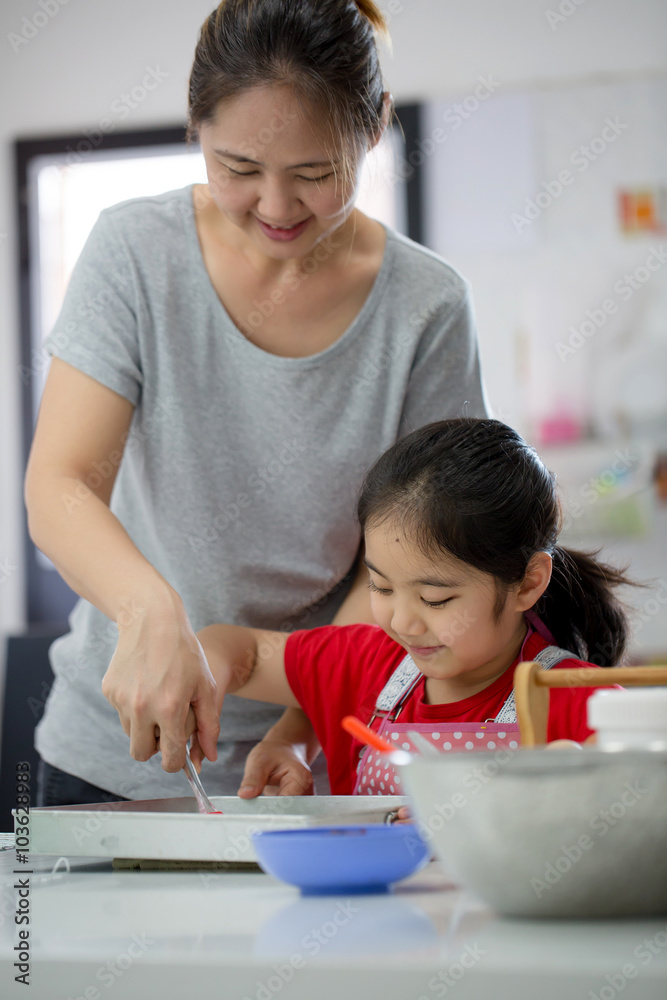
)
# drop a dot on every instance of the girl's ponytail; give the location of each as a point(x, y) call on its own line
point(580, 608)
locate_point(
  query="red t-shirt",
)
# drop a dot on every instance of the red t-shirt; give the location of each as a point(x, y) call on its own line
point(336, 671)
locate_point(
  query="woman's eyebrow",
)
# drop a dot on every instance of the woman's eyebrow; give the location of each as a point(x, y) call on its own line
point(452, 584)
point(246, 159)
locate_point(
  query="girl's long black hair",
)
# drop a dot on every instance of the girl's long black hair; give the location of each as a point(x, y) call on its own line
point(474, 489)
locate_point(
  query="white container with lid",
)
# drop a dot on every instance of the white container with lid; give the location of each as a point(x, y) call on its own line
point(635, 717)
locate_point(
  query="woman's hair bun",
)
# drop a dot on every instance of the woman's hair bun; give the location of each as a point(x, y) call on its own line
point(324, 50)
point(372, 12)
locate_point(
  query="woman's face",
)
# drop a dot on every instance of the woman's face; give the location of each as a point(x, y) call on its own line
point(270, 175)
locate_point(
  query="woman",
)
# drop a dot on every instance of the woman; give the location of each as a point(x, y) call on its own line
point(229, 360)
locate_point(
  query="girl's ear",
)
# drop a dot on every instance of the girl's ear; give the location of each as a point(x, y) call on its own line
point(535, 581)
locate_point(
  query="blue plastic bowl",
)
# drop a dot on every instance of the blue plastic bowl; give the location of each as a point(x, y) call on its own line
point(341, 859)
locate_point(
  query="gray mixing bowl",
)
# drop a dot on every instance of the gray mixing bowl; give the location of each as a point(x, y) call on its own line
point(550, 833)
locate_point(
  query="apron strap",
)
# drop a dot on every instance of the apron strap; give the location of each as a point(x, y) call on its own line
point(407, 675)
point(547, 658)
point(399, 686)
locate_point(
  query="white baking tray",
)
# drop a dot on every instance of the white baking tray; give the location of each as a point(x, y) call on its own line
point(173, 829)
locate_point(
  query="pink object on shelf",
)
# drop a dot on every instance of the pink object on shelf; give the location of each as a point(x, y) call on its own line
point(560, 429)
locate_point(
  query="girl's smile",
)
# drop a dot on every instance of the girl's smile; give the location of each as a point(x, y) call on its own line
point(424, 650)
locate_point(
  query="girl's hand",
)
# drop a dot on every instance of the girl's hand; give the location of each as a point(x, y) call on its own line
point(156, 673)
point(563, 744)
point(402, 816)
point(276, 767)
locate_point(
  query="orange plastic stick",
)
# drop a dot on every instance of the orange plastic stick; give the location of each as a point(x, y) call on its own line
point(355, 727)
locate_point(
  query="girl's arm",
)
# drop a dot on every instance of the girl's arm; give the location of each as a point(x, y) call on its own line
point(157, 670)
point(283, 756)
point(248, 662)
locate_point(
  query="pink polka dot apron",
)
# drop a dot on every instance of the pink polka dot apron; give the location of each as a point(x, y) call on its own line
point(376, 776)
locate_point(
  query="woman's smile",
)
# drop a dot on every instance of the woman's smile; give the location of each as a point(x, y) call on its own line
point(283, 233)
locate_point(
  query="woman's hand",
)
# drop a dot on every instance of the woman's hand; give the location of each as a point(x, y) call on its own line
point(157, 672)
point(276, 767)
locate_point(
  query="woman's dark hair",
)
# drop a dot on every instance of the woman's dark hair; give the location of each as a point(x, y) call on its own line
point(473, 489)
point(324, 50)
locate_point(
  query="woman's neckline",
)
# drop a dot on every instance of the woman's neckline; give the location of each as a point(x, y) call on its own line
point(278, 360)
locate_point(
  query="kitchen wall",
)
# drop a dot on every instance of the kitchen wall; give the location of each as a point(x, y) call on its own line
point(66, 65)
point(523, 194)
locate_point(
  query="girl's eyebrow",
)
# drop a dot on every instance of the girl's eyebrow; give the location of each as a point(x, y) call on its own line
point(451, 584)
point(245, 159)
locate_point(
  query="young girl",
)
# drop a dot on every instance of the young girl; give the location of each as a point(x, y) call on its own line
point(460, 522)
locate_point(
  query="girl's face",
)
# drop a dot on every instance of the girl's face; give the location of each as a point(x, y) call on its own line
point(441, 611)
point(270, 175)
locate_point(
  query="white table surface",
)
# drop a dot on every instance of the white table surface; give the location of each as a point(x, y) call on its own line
point(96, 933)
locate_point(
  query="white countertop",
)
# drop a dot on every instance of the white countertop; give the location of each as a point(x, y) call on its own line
point(131, 935)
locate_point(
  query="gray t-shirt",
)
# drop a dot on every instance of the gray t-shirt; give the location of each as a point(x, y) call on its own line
point(240, 474)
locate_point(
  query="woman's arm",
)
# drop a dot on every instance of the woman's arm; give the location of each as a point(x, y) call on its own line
point(157, 670)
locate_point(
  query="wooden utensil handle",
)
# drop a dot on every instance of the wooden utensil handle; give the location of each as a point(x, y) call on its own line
point(531, 691)
point(602, 676)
